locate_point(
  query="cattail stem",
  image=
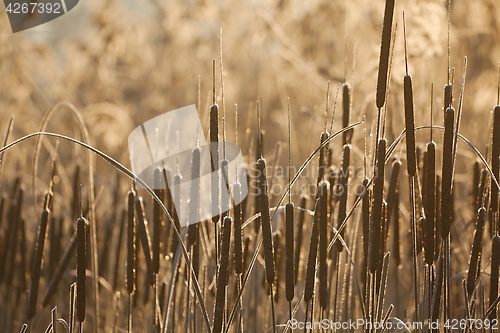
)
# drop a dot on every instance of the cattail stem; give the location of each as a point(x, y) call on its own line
point(289, 252)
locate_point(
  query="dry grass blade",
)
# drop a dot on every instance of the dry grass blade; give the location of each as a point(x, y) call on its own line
point(131, 242)
point(289, 252)
point(157, 223)
point(376, 218)
point(61, 267)
point(343, 187)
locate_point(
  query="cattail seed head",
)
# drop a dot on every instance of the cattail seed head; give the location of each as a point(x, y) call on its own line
point(143, 237)
point(302, 215)
point(429, 204)
point(311, 258)
point(346, 108)
point(81, 260)
point(266, 221)
point(214, 153)
point(323, 243)
point(446, 185)
point(37, 261)
point(447, 96)
point(238, 249)
point(385, 46)
point(495, 265)
point(475, 255)
point(495, 157)
point(410, 126)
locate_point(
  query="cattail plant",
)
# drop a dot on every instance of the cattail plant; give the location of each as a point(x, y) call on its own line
point(220, 297)
point(495, 157)
point(495, 264)
point(323, 243)
point(266, 221)
point(298, 245)
point(37, 257)
point(385, 46)
point(81, 257)
point(475, 255)
point(312, 255)
point(346, 115)
point(429, 205)
point(144, 238)
point(446, 183)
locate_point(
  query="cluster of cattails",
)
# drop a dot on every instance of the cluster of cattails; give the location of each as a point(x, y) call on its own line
point(335, 256)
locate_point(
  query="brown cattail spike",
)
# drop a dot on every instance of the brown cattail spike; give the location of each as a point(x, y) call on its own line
point(495, 264)
point(446, 184)
point(475, 255)
point(223, 274)
point(410, 125)
point(346, 106)
point(143, 235)
point(298, 246)
point(376, 217)
point(37, 260)
point(81, 259)
point(157, 221)
point(214, 153)
point(322, 156)
point(323, 243)
point(495, 157)
point(429, 205)
point(238, 250)
point(385, 46)
point(265, 221)
point(312, 255)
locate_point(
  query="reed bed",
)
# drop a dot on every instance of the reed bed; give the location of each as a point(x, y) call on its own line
point(396, 223)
